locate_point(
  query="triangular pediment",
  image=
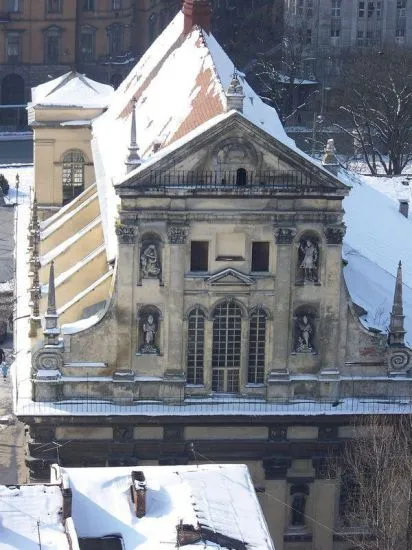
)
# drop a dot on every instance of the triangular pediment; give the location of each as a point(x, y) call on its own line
point(296, 171)
point(230, 277)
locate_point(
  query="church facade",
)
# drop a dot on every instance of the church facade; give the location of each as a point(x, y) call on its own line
point(190, 305)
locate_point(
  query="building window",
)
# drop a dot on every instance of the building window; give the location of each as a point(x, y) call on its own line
point(226, 349)
point(361, 9)
point(299, 494)
point(260, 256)
point(335, 28)
point(73, 175)
point(199, 256)
point(336, 6)
point(88, 5)
point(116, 5)
point(300, 6)
point(308, 36)
point(52, 46)
point(13, 47)
point(309, 9)
point(401, 8)
point(371, 9)
point(54, 6)
point(257, 340)
point(195, 346)
point(378, 10)
point(87, 44)
point(12, 6)
point(360, 38)
point(115, 37)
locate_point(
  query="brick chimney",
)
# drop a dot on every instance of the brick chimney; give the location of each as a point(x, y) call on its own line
point(138, 492)
point(197, 12)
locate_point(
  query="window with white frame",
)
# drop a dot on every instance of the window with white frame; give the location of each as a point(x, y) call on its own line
point(54, 6)
point(226, 348)
point(195, 346)
point(361, 9)
point(257, 344)
point(336, 8)
point(13, 47)
point(72, 175)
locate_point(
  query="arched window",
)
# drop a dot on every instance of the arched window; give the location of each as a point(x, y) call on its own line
point(299, 495)
point(241, 177)
point(195, 346)
point(257, 340)
point(226, 350)
point(73, 175)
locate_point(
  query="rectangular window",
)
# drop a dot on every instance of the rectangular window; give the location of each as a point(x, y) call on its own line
point(88, 5)
point(308, 36)
point(378, 10)
point(335, 29)
point(361, 9)
point(199, 256)
point(52, 49)
point(12, 6)
point(260, 256)
point(87, 46)
point(336, 6)
point(116, 5)
point(371, 9)
point(13, 47)
point(309, 8)
point(401, 8)
point(301, 4)
point(54, 6)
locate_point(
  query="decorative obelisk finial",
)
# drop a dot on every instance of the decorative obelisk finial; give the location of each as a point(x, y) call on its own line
point(51, 329)
point(235, 94)
point(396, 336)
point(133, 158)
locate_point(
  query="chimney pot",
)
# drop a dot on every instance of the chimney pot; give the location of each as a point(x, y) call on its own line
point(197, 12)
point(138, 492)
point(404, 207)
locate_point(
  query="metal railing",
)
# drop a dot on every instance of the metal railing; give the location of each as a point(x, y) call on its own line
point(231, 182)
point(217, 405)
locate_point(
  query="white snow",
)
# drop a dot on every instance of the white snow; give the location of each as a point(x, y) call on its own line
point(72, 90)
point(377, 237)
point(29, 514)
point(220, 497)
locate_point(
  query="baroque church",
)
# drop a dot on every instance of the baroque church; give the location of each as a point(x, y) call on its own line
point(181, 290)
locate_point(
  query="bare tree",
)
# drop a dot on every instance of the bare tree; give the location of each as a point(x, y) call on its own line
point(378, 104)
point(375, 474)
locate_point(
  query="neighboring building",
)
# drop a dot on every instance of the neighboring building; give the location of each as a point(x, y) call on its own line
point(191, 303)
point(33, 517)
point(331, 28)
point(199, 506)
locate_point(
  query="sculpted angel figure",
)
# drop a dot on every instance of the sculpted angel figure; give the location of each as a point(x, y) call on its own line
point(150, 262)
point(304, 341)
point(309, 263)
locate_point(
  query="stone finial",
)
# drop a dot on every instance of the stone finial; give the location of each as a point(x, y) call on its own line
point(396, 336)
point(235, 94)
point(197, 12)
point(133, 158)
point(51, 329)
point(329, 159)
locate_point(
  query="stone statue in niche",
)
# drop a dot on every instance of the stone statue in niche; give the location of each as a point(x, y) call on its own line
point(298, 510)
point(149, 261)
point(149, 334)
point(304, 340)
point(308, 260)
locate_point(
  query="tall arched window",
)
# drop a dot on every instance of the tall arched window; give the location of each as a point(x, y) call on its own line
point(226, 351)
point(257, 340)
point(73, 175)
point(195, 346)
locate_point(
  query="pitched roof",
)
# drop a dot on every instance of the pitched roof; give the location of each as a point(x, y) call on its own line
point(72, 90)
point(219, 498)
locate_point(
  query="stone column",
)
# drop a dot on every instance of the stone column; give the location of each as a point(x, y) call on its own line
point(329, 315)
point(324, 498)
point(207, 360)
point(278, 377)
point(177, 235)
point(125, 292)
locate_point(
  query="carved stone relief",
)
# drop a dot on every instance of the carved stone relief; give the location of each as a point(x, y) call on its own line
point(177, 234)
point(126, 233)
point(150, 262)
point(285, 235)
point(304, 335)
point(308, 260)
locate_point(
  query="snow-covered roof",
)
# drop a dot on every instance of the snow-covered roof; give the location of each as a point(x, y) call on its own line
point(30, 515)
point(220, 498)
point(179, 84)
point(377, 237)
point(72, 90)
